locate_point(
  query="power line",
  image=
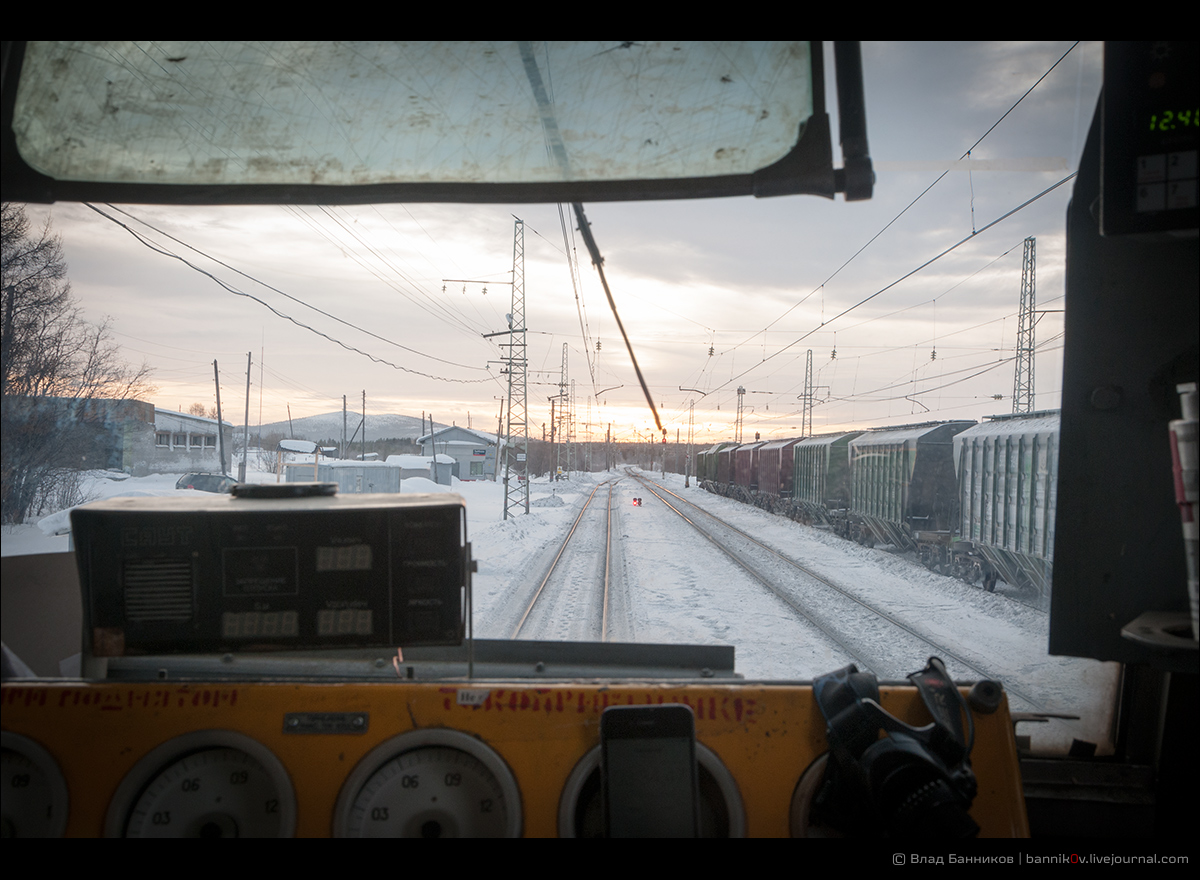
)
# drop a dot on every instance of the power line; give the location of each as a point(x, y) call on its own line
point(903, 277)
point(236, 292)
point(434, 307)
point(274, 289)
point(904, 210)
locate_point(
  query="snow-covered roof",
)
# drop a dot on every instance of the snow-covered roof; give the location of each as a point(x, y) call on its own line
point(462, 444)
point(904, 433)
point(1019, 425)
point(470, 432)
point(163, 417)
point(412, 462)
point(305, 446)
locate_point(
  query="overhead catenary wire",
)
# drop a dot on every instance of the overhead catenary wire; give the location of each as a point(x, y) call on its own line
point(273, 289)
point(432, 306)
point(573, 266)
point(236, 292)
point(906, 208)
point(905, 276)
point(820, 287)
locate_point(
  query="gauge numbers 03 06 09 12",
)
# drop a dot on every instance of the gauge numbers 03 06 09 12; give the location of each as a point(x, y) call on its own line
point(207, 784)
point(433, 783)
point(35, 793)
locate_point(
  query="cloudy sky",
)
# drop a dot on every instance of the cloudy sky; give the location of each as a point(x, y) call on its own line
point(758, 282)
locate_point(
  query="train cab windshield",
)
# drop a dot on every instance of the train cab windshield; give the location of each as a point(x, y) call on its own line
point(561, 311)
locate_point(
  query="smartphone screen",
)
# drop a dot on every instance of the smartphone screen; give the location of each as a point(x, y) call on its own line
point(648, 771)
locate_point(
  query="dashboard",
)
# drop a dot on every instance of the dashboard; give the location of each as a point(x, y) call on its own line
point(450, 738)
point(411, 758)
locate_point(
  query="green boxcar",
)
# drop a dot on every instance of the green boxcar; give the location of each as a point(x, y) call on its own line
point(706, 461)
point(821, 474)
point(1008, 491)
point(903, 486)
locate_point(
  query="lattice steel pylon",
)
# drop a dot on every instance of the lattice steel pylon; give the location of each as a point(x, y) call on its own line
point(516, 461)
point(572, 444)
point(806, 416)
point(562, 463)
point(687, 465)
point(587, 454)
point(1023, 373)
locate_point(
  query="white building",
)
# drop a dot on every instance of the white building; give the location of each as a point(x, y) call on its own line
point(473, 451)
point(183, 442)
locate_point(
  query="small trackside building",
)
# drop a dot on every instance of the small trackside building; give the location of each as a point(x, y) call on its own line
point(473, 451)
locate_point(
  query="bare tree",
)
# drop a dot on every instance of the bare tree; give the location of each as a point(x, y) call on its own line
point(199, 409)
point(59, 373)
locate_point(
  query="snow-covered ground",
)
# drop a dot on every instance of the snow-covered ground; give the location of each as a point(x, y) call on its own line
point(679, 589)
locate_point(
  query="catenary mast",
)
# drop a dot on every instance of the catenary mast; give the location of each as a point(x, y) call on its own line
point(516, 472)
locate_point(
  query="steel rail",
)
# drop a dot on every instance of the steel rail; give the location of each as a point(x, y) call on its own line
point(938, 649)
point(604, 607)
point(779, 593)
point(516, 633)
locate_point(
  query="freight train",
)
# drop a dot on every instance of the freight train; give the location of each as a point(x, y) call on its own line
point(976, 501)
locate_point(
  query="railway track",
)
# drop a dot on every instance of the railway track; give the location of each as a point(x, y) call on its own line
point(578, 575)
point(859, 628)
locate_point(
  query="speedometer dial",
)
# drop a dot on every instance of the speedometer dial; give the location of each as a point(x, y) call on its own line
point(436, 783)
point(35, 793)
point(207, 784)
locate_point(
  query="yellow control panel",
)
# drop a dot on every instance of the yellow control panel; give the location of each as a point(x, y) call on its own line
point(420, 759)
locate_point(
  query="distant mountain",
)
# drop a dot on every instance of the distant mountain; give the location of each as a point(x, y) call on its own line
point(329, 425)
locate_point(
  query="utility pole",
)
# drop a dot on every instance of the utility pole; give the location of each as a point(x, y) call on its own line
point(687, 466)
point(220, 433)
point(553, 429)
point(1023, 374)
point(499, 433)
point(246, 426)
point(262, 356)
point(587, 458)
point(687, 474)
point(737, 425)
point(806, 418)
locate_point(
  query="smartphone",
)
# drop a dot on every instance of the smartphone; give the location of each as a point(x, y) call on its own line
point(648, 775)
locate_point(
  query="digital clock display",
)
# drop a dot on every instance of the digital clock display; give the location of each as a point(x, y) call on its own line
point(1150, 148)
point(1174, 120)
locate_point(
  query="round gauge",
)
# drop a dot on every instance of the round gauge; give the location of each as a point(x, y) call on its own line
point(722, 813)
point(430, 783)
point(801, 820)
point(211, 783)
point(34, 793)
